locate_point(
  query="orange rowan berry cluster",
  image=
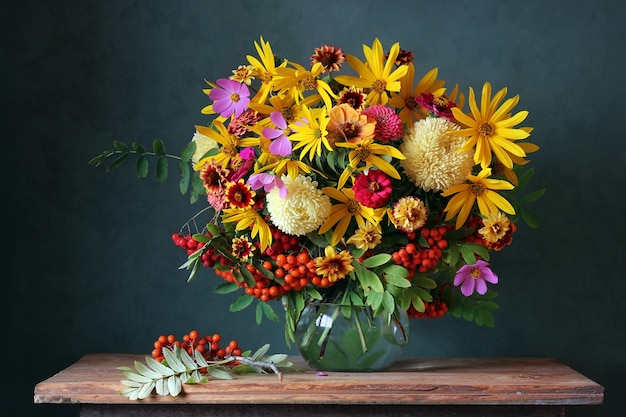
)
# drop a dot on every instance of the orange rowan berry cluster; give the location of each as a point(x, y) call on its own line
point(208, 346)
point(436, 308)
point(416, 257)
point(292, 271)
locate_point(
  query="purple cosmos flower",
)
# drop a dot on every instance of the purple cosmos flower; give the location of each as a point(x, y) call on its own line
point(231, 99)
point(281, 145)
point(267, 181)
point(474, 278)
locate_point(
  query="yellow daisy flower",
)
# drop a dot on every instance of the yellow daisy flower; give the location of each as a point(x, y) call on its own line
point(297, 80)
point(249, 217)
point(482, 190)
point(490, 129)
point(265, 69)
point(376, 74)
point(310, 132)
point(333, 265)
point(230, 144)
point(369, 153)
point(405, 98)
point(342, 213)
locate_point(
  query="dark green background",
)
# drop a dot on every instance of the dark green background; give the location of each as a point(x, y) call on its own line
point(89, 265)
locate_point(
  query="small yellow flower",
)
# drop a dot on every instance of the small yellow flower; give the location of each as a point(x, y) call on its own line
point(481, 189)
point(495, 227)
point(333, 265)
point(366, 237)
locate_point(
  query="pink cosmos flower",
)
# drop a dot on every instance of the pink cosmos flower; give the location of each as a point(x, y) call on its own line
point(267, 182)
point(231, 99)
point(388, 123)
point(372, 189)
point(281, 145)
point(474, 278)
point(241, 165)
point(439, 106)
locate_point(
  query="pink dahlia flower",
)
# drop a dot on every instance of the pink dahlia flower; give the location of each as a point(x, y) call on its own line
point(388, 123)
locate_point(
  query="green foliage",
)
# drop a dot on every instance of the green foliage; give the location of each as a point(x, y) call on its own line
point(179, 368)
point(121, 153)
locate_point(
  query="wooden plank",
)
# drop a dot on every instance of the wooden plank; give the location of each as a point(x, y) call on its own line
point(316, 410)
point(94, 379)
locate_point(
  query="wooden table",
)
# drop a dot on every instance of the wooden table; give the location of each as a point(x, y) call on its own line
point(412, 387)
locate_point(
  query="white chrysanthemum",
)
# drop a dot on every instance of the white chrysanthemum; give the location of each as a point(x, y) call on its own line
point(304, 208)
point(203, 145)
point(432, 161)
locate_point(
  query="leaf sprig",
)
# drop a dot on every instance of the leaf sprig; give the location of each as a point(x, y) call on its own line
point(179, 368)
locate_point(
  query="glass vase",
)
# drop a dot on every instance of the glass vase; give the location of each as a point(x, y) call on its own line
point(333, 337)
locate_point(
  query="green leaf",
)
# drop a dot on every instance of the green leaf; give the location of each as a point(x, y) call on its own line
point(219, 373)
point(137, 147)
point(158, 147)
point(146, 371)
point(534, 196)
point(241, 302)
point(120, 146)
point(247, 277)
point(389, 303)
point(158, 366)
point(173, 361)
point(397, 281)
point(377, 260)
point(187, 152)
point(397, 270)
point(226, 288)
point(142, 166)
point(269, 312)
point(530, 219)
point(174, 385)
point(161, 169)
point(185, 177)
point(118, 162)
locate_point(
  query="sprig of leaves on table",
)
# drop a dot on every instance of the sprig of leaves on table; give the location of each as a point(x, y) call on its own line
point(179, 367)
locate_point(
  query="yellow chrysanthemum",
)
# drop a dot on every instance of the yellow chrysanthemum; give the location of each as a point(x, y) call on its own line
point(303, 209)
point(333, 265)
point(482, 190)
point(376, 74)
point(342, 213)
point(490, 129)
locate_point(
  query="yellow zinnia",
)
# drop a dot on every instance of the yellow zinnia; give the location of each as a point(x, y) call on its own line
point(297, 80)
point(374, 76)
point(490, 128)
point(481, 189)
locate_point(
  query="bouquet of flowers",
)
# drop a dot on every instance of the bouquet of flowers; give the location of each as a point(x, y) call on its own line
point(371, 188)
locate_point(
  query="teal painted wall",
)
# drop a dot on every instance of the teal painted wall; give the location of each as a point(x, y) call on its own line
point(90, 264)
